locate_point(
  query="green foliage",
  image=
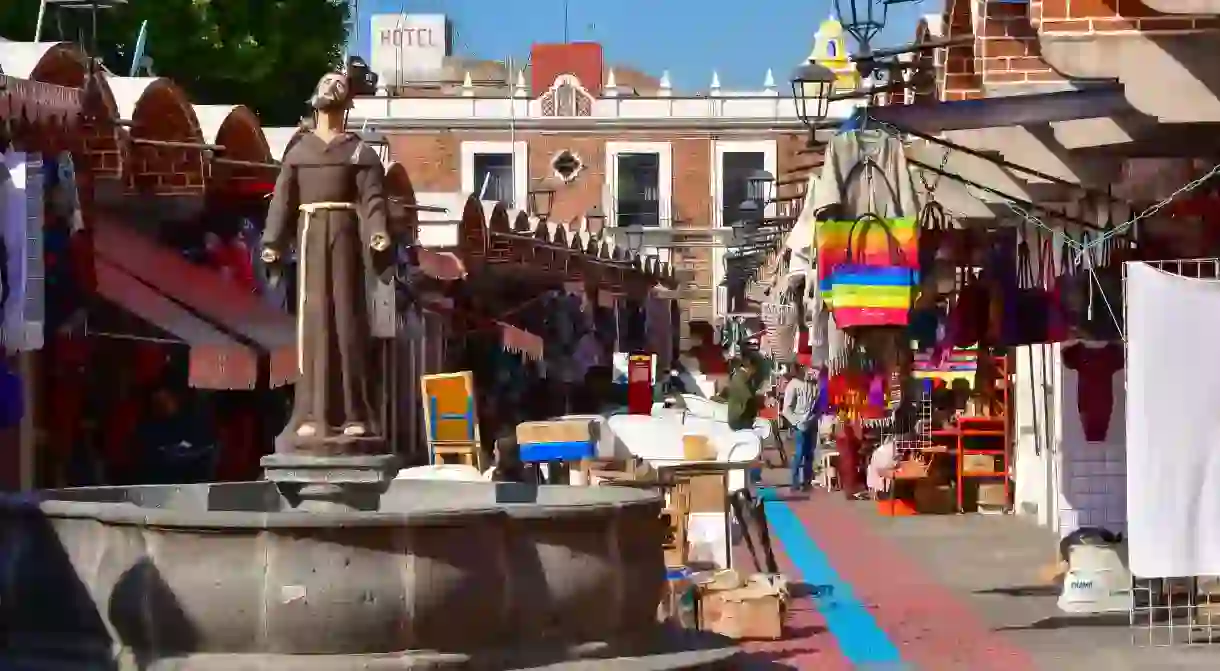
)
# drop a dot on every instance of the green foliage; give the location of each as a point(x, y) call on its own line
point(266, 54)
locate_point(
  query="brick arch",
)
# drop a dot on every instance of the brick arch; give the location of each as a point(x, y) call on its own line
point(64, 64)
point(236, 128)
point(158, 110)
point(960, 80)
point(472, 231)
point(521, 221)
point(931, 27)
point(496, 216)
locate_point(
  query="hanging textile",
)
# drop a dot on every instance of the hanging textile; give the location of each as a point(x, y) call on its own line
point(800, 239)
point(12, 401)
point(1173, 475)
point(780, 319)
point(660, 330)
point(864, 172)
point(1095, 368)
point(23, 205)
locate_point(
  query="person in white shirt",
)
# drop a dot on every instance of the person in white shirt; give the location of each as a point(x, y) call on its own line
point(800, 409)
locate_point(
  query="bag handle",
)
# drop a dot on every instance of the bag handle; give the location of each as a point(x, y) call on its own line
point(870, 165)
point(933, 217)
point(865, 222)
point(1025, 266)
point(1047, 271)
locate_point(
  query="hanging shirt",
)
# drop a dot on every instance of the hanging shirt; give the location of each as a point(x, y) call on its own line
point(1095, 368)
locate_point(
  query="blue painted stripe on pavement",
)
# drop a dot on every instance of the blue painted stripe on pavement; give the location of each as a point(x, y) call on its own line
point(862, 641)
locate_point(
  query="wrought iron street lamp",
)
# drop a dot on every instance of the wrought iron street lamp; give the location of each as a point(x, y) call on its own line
point(863, 19)
point(541, 198)
point(812, 84)
point(758, 186)
point(635, 238)
point(750, 212)
point(595, 220)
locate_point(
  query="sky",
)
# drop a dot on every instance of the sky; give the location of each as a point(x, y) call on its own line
point(689, 38)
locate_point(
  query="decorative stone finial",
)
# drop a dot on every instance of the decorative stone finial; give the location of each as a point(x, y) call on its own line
point(467, 85)
point(664, 87)
point(715, 88)
point(519, 90)
point(769, 82)
point(610, 90)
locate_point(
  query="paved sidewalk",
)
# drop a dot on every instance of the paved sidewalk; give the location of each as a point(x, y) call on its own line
point(936, 593)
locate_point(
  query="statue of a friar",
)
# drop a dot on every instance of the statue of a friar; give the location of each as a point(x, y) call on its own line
point(330, 200)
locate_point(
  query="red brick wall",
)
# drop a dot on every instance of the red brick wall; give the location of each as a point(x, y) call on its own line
point(1006, 50)
point(583, 60)
point(433, 160)
point(1111, 16)
point(958, 79)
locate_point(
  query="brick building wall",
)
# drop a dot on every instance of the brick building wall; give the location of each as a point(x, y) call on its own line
point(1003, 57)
point(1111, 16)
point(434, 162)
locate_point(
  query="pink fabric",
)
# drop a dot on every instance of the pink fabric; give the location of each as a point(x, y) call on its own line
point(513, 339)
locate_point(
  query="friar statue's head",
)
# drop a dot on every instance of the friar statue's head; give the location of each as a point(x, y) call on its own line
point(332, 93)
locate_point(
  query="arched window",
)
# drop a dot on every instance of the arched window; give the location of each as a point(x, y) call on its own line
point(832, 49)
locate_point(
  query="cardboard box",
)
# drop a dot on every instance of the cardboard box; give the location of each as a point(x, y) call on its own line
point(708, 494)
point(755, 611)
point(978, 463)
point(933, 499)
point(555, 431)
point(992, 494)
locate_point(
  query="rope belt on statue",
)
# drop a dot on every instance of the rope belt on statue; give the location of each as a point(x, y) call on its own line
point(309, 209)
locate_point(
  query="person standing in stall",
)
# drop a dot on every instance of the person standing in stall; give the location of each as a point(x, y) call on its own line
point(800, 408)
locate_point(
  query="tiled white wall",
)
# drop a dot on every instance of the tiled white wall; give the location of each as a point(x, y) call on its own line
point(1093, 476)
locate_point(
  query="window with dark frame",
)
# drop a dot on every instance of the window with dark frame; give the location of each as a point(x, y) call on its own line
point(735, 170)
point(638, 191)
point(496, 170)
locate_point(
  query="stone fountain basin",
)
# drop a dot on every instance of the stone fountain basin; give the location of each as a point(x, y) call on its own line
point(443, 574)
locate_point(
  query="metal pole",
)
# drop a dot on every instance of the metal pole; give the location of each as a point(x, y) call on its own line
point(42, 13)
point(565, 21)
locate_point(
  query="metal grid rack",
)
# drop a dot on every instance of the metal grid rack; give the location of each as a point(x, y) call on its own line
point(1176, 611)
point(913, 447)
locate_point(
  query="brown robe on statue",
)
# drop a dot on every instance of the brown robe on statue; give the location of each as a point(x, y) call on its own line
point(330, 200)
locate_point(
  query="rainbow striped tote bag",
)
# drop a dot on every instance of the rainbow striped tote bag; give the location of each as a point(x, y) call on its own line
point(876, 283)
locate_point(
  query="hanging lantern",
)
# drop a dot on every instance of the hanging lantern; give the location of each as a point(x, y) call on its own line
point(863, 19)
point(759, 186)
point(811, 87)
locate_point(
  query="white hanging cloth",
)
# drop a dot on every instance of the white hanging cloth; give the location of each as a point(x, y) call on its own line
point(1173, 429)
point(800, 238)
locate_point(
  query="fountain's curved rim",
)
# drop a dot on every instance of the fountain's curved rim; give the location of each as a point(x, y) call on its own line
point(127, 513)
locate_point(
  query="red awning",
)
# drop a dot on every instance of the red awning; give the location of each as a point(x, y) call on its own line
point(38, 102)
point(216, 360)
point(204, 292)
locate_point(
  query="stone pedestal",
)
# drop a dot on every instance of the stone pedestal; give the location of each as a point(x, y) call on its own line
point(331, 483)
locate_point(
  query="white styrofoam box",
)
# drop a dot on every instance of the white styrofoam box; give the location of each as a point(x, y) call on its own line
point(706, 542)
